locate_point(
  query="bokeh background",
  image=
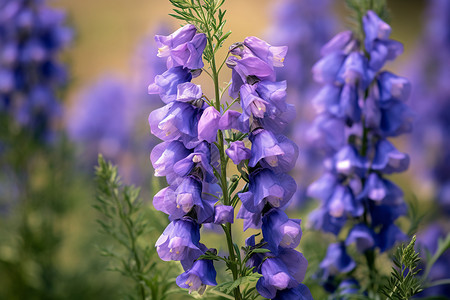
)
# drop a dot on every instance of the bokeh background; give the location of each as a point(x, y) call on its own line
point(111, 61)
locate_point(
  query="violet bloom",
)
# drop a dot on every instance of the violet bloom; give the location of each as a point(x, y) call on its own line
point(223, 214)
point(166, 84)
point(301, 292)
point(388, 159)
point(276, 153)
point(178, 201)
point(231, 119)
point(363, 236)
point(164, 156)
point(238, 152)
point(183, 48)
point(280, 231)
point(275, 277)
point(377, 41)
point(202, 158)
point(198, 277)
point(188, 91)
point(208, 125)
point(266, 187)
point(176, 120)
point(337, 260)
point(180, 241)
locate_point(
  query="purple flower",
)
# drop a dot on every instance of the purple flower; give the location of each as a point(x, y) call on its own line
point(183, 48)
point(208, 125)
point(188, 91)
point(180, 241)
point(382, 190)
point(363, 236)
point(388, 159)
point(279, 230)
point(176, 120)
point(276, 153)
point(166, 84)
point(231, 119)
point(223, 214)
point(270, 54)
point(276, 277)
point(389, 235)
point(251, 220)
point(165, 155)
point(337, 260)
point(202, 159)
point(301, 292)
point(266, 187)
point(238, 152)
point(198, 277)
point(377, 41)
point(178, 201)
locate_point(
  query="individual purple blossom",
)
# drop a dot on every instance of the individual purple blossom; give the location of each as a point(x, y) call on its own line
point(238, 152)
point(275, 277)
point(223, 214)
point(180, 242)
point(178, 201)
point(280, 231)
point(267, 187)
point(198, 277)
point(183, 48)
point(164, 156)
point(166, 84)
point(363, 236)
point(188, 91)
point(208, 125)
point(337, 260)
point(276, 153)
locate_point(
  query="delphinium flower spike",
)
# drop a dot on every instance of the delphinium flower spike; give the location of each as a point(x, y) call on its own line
point(200, 136)
point(360, 107)
point(32, 35)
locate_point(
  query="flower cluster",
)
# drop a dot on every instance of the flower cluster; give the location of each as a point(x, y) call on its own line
point(430, 141)
point(360, 107)
point(304, 26)
point(186, 157)
point(265, 114)
point(192, 130)
point(32, 35)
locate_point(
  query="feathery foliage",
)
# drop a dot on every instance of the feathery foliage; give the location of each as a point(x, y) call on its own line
point(403, 283)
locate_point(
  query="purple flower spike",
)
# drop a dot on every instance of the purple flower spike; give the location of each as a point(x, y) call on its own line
point(354, 70)
point(238, 152)
point(337, 260)
point(363, 236)
point(198, 277)
point(183, 48)
point(342, 42)
point(275, 277)
point(327, 68)
point(166, 85)
point(347, 161)
point(223, 214)
point(208, 125)
point(276, 153)
point(188, 92)
point(180, 241)
point(388, 159)
point(279, 230)
point(266, 187)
